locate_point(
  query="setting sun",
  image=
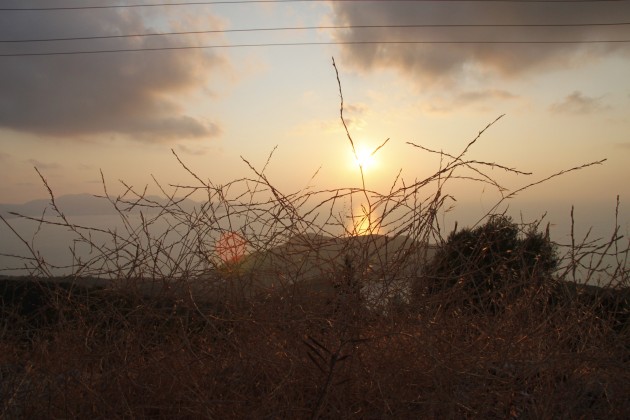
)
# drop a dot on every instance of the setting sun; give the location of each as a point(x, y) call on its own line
point(365, 158)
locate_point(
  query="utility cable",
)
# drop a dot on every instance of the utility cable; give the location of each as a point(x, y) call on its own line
point(302, 28)
point(210, 3)
point(295, 44)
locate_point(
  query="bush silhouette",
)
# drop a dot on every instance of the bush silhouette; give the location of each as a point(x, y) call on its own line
point(491, 264)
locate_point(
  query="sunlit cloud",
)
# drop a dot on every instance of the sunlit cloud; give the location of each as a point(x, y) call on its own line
point(353, 114)
point(317, 126)
point(449, 64)
point(475, 100)
point(136, 95)
point(580, 104)
point(43, 165)
point(26, 184)
point(483, 95)
point(196, 151)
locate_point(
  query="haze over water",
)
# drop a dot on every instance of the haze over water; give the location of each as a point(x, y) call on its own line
point(429, 73)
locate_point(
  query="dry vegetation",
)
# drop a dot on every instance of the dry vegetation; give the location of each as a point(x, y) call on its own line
point(315, 322)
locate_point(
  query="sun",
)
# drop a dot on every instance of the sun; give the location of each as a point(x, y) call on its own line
point(364, 158)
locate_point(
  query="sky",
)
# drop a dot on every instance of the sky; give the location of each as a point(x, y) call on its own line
point(73, 116)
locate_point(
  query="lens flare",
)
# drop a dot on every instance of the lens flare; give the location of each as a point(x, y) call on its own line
point(231, 247)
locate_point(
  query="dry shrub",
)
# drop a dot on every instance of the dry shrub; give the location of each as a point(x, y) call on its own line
point(313, 322)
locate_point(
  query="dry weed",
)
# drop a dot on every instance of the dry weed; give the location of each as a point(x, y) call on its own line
point(313, 322)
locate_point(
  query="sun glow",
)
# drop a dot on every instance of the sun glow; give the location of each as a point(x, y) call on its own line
point(364, 224)
point(365, 158)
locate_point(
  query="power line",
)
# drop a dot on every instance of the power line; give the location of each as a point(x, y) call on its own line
point(201, 3)
point(292, 28)
point(296, 44)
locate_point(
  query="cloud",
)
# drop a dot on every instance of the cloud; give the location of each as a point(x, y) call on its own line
point(477, 99)
point(625, 145)
point(353, 115)
point(475, 96)
point(448, 64)
point(137, 95)
point(197, 151)
point(577, 103)
point(43, 165)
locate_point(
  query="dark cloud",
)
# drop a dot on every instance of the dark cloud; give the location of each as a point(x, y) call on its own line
point(136, 95)
point(577, 103)
point(445, 64)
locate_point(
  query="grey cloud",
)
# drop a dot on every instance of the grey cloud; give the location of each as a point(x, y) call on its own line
point(477, 96)
point(168, 128)
point(136, 95)
point(447, 64)
point(577, 103)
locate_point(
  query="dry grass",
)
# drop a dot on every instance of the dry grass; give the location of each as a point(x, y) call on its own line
point(301, 359)
point(314, 323)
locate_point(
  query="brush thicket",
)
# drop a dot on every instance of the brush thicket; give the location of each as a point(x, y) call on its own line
point(313, 320)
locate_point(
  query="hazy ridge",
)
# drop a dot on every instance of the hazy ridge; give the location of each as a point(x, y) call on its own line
point(85, 204)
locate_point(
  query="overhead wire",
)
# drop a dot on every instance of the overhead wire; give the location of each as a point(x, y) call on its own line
point(220, 2)
point(299, 28)
point(294, 44)
point(306, 43)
